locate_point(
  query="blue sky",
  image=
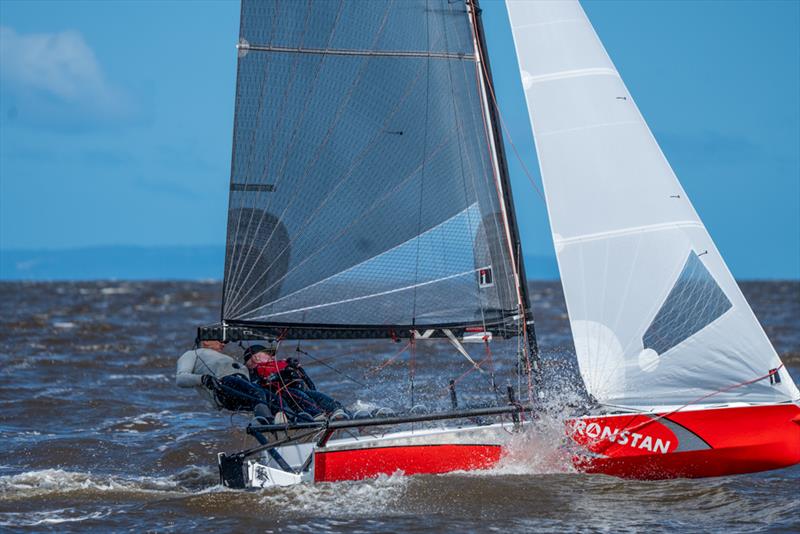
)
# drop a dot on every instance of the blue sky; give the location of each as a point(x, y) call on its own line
point(116, 117)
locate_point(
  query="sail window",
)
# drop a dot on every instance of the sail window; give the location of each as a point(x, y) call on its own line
point(694, 302)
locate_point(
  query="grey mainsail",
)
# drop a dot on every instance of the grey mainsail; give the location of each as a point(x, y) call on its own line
point(365, 199)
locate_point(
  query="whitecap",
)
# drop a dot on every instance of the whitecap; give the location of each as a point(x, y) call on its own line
point(115, 290)
point(148, 378)
point(378, 495)
point(127, 424)
point(54, 392)
point(46, 481)
point(16, 367)
point(49, 517)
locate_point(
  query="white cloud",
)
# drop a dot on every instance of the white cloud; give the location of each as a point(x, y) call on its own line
point(61, 65)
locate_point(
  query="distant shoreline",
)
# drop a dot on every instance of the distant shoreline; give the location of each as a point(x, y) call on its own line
point(201, 262)
point(172, 263)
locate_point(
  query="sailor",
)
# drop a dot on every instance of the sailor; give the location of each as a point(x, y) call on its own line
point(222, 380)
point(290, 382)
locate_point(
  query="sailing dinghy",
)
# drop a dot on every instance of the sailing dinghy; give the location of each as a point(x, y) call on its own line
point(370, 199)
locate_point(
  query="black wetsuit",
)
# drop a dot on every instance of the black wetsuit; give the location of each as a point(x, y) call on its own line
point(294, 391)
point(236, 393)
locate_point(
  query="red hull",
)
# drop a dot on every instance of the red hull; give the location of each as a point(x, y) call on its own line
point(684, 444)
point(357, 464)
point(691, 443)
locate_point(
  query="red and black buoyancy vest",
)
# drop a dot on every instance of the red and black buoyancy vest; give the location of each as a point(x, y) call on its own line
point(270, 371)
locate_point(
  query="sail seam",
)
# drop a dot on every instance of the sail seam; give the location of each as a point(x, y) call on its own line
point(548, 23)
point(628, 231)
point(563, 74)
point(355, 52)
point(341, 233)
point(587, 127)
point(373, 258)
point(363, 297)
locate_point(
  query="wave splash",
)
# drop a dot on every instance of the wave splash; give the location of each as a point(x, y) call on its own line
point(50, 481)
point(50, 517)
point(380, 495)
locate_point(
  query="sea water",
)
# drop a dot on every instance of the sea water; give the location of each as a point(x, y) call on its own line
point(96, 437)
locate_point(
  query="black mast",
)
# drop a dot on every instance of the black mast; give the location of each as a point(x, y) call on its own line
point(502, 165)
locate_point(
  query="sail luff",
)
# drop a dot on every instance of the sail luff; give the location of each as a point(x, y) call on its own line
point(504, 185)
point(229, 237)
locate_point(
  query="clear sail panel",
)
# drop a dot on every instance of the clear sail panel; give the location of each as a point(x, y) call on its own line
point(656, 316)
point(362, 189)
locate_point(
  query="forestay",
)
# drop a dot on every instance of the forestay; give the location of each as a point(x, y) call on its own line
point(656, 316)
point(362, 187)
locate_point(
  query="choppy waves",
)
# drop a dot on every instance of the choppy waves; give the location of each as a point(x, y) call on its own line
point(96, 437)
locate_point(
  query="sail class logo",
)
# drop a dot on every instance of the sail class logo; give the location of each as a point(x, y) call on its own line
point(623, 436)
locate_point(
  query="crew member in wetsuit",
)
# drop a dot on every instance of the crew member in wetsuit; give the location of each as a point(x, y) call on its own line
point(222, 380)
point(290, 383)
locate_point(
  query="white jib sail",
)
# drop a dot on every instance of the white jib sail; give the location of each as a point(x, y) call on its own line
point(656, 316)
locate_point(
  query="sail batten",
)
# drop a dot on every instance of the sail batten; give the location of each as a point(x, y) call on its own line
point(619, 232)
point(656, 317)
point(529, 80)
point(362, 187)
point(369, 296)
point(354, 52)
